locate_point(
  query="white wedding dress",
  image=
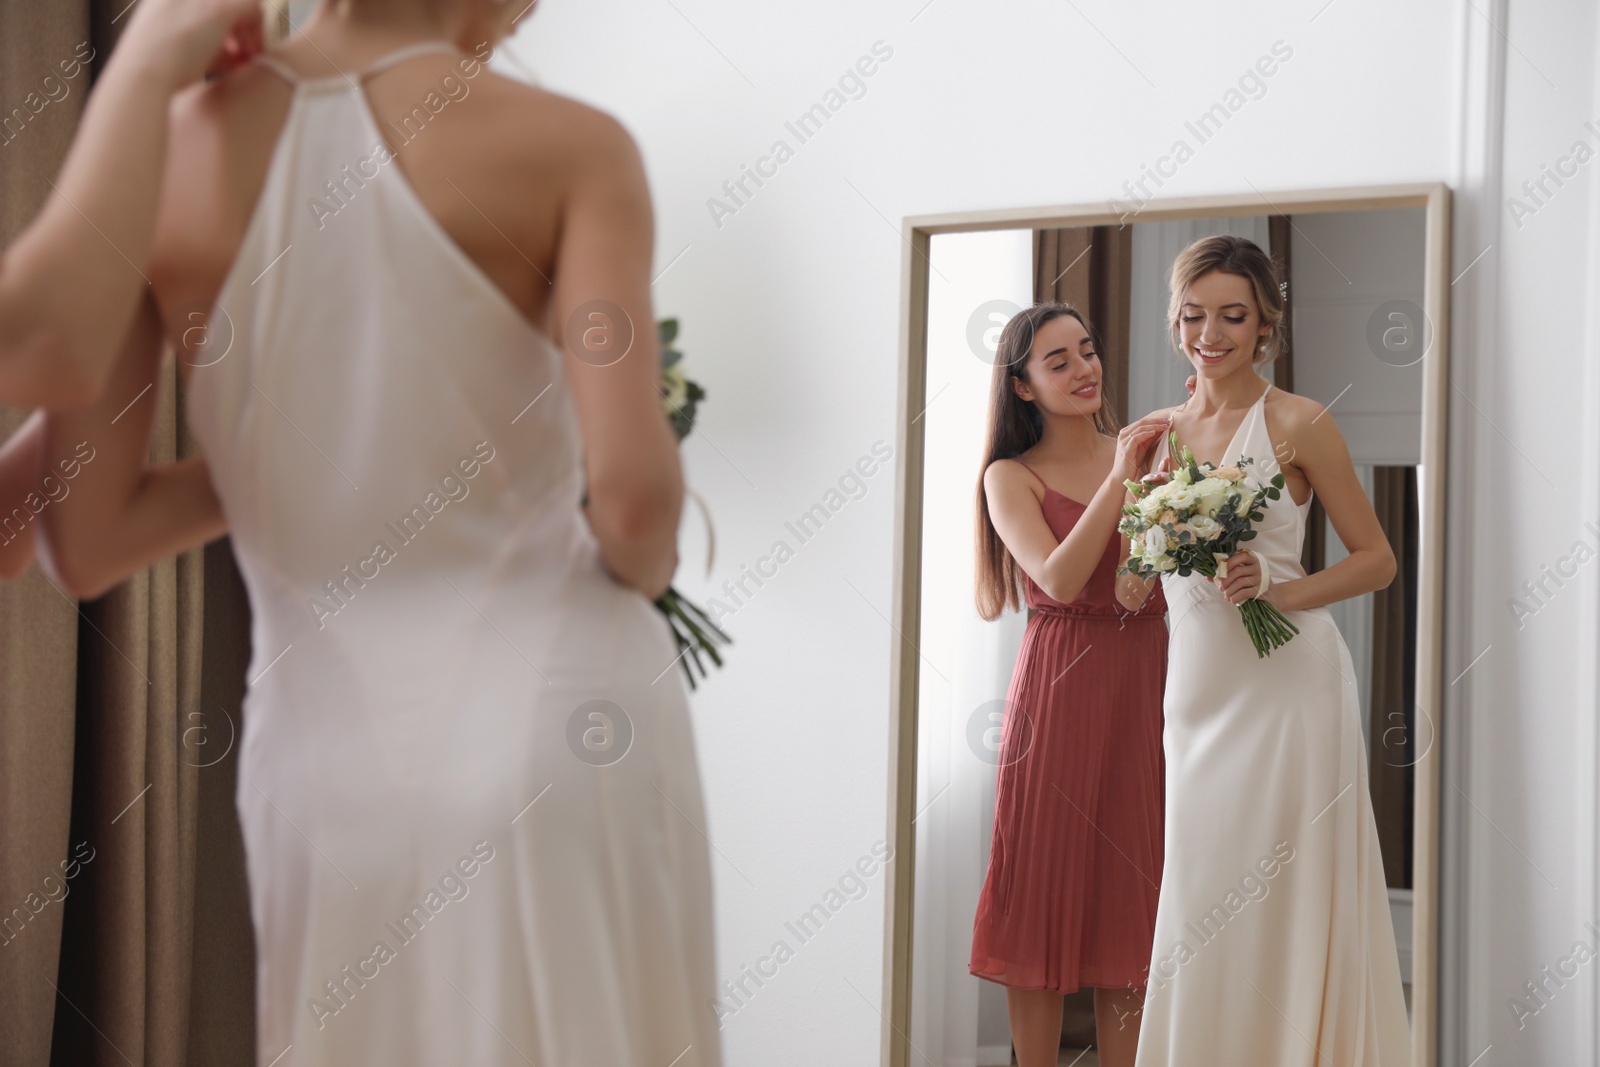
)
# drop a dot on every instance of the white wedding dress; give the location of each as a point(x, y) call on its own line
point(467, 780)
point(1274, 945)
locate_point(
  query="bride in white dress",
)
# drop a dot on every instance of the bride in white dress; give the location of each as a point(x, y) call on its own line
point(467, 781)
point(1274, 945)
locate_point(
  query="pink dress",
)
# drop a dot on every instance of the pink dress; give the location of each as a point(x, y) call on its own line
point(1075, 865)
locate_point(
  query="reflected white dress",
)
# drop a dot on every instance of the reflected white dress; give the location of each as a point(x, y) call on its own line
point(467, 781)
point(1274, 945)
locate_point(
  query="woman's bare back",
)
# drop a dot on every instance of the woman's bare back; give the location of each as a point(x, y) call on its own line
point(492, 165)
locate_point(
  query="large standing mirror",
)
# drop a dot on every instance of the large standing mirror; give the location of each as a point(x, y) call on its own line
point(1367, 285)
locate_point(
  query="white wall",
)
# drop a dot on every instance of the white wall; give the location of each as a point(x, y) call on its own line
point(966, 663)
point(790, 312)
point(1521, 770)
point(1350, 267)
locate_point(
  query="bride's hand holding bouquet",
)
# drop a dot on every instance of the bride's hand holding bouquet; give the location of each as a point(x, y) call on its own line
point(1192, 519)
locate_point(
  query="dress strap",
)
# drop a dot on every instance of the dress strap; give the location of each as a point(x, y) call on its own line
point(278, 67)
point(1258, 410)
point(400, 55)
point(382, 63)
point(1031, 471)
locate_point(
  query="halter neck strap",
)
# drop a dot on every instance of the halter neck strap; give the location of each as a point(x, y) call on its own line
point(382, 63)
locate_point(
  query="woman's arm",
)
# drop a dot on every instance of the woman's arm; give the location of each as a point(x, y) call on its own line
point(1063, 568)
point(121, 516)
point(1132, 590)
point(70, 283)
point(601, 295)
point(1319, 452)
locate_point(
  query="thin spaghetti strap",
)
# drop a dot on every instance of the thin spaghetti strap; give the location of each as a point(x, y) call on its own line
point(278, 67)
point(1031, 471)
point(400, 55)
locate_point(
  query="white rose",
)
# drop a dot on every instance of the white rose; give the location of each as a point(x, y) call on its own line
point(1155, 541)
point(1204, 528)
point(1183, 498)
point(675, 388)
point(1212, 492)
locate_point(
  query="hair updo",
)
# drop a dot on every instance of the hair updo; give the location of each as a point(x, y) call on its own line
point(1232, 255)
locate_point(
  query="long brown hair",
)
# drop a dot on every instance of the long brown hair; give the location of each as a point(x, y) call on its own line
point(1015, 425)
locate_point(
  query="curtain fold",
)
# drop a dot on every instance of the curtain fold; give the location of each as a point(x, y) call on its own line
point(38, 625)
point(118, 838)
point(1314, 547)
point(1091, 268)
point(1392, 725)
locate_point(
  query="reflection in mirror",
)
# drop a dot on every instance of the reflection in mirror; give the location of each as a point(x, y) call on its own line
point(1355, 337)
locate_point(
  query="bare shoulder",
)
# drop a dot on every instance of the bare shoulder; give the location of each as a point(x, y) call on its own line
point(1294, 415)
point(1163, 413)
point(1307, 439)
point(1005, 478)
point(209, 152)
point(554, 128)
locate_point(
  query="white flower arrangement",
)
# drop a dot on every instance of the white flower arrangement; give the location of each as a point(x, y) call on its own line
point(1190, 520)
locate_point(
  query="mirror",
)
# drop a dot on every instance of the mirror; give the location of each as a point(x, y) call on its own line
point(1366, 300)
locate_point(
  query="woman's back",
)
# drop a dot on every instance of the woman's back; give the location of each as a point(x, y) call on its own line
point(490, 158)
point(374, 409)
point(437, 644)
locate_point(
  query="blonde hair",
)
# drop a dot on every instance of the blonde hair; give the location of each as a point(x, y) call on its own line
point(1233, 255)
point(275, 21)
point(275, 17)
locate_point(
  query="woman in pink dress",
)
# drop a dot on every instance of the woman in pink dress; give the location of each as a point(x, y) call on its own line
point(1075, 865)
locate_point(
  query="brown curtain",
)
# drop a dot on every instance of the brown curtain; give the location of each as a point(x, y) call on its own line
point(1091, 268)
point(1278, 231)
point(1313, 549)
point(1392, 728)
point(125, 921)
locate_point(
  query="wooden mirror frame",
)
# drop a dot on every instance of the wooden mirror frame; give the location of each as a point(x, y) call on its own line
point(918, 231)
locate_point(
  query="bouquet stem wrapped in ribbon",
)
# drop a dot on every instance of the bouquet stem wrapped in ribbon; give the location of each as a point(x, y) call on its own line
point(1190, 520)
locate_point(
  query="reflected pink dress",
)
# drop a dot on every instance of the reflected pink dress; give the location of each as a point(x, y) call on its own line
point(1075, 864)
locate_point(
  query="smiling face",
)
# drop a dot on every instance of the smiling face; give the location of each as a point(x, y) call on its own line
point(1063, 369)
point(1219, 324)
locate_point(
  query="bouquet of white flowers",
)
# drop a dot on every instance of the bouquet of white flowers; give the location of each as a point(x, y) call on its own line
point(692, 629)
point(1190, 520)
